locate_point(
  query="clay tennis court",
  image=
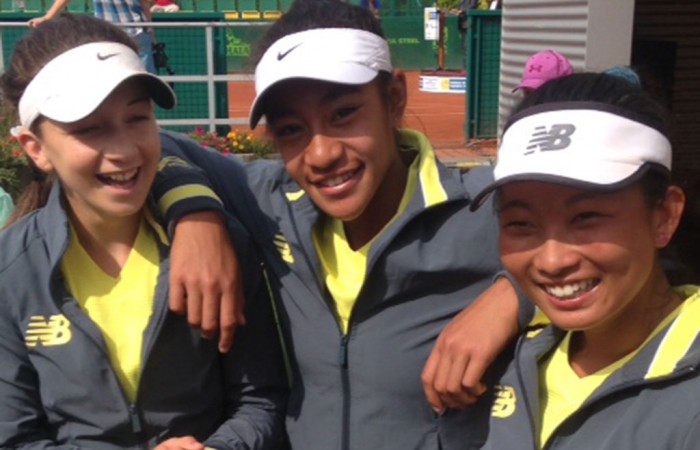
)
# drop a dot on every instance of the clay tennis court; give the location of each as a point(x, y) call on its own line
point(439, 116)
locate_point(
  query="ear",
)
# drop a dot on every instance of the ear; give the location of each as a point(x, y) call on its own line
point(34, 148)
point(667, 215)
point(398, 97)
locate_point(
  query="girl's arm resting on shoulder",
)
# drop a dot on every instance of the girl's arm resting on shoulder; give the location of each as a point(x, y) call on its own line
point(205, 281)
point(471, 342)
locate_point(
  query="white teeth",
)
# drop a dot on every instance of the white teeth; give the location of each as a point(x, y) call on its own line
point(335, 181)
point(571, 290)
point(121, 177)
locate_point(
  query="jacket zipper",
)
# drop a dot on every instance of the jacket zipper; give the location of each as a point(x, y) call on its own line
point(136, 425)
point(345, 383)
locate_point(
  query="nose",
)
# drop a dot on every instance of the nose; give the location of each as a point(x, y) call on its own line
point(323, 151)
point(555, 258)
point(120, 144)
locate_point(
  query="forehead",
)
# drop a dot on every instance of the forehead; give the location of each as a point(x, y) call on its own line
point(546, 196)
point(290, 94)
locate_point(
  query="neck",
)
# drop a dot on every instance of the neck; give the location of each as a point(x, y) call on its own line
point(108, 242)
point(594, 349)
point(381, 209)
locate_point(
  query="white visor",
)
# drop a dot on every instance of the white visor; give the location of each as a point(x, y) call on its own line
point(73, 84)
point(587, 145)
point(337, 55)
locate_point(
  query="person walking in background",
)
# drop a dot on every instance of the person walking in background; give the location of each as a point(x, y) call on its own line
point(542, 67)
point(586, 216)
point(117, 12)
point(91, 355)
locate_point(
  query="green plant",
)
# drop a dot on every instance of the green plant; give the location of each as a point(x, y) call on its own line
point(447, 5)
point(13, 162)
point(235, 142)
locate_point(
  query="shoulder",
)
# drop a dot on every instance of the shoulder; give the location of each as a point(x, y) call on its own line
point(268, 173)
point(474, 178)
point(19, 246)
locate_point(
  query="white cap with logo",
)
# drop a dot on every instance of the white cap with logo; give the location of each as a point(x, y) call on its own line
point(336, 55)
point(581, 144)
point(73, 84)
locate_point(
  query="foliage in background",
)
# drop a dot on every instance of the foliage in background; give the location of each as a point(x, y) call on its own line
point(448, 4)
point(13, 162)
point(235, 142)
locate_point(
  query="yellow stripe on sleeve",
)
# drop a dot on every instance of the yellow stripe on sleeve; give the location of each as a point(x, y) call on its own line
point(182, 192)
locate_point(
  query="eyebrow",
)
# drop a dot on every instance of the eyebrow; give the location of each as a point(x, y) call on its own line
point(577, 198)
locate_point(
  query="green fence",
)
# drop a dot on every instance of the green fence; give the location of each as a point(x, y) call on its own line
point(483, 69)
point(409, 49)
point(187, 55)
point(253, 9)
point(234, 45)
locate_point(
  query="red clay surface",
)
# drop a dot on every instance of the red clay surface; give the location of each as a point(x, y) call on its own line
point(439, 116)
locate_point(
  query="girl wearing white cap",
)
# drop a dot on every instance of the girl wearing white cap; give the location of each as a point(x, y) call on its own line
point(586, 205)
point(91, 356)
point(369, 238)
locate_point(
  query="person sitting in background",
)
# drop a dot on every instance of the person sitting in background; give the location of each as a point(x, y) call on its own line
point(542, 67)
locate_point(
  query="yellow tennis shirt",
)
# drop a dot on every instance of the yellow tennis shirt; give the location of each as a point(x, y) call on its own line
point(345, 269)
point(121, 307)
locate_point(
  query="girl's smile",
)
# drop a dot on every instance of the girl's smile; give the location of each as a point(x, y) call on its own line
point(587, 260)
point(338, 143)
point(107, 161)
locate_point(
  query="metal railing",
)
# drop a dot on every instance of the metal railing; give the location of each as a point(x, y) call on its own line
point(209, 77)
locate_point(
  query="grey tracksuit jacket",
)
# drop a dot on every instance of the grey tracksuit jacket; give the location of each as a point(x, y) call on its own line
point(362, 390)
point(651, 403)
point(58, 389)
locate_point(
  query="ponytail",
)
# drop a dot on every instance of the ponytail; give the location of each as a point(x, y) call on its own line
point(34, 196)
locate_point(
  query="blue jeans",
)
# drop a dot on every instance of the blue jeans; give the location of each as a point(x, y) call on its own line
point(145, 43)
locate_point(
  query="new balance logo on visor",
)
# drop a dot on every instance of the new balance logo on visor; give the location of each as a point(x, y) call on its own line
point(54, 331)
point(558, 137)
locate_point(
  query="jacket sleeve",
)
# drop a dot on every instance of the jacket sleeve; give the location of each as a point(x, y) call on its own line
point(474, 180)
point(23, 424)
point(527, 313)
point(192, 178)
point(257, 385)
point(201, 179)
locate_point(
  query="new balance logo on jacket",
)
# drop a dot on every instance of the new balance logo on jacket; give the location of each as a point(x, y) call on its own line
point(558, 137)
point(47, 333)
